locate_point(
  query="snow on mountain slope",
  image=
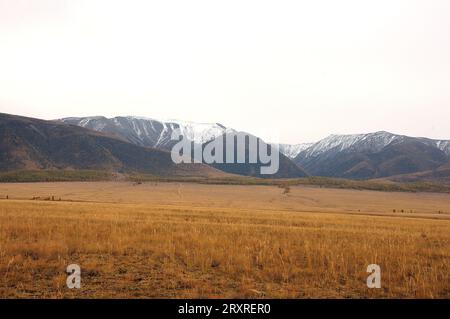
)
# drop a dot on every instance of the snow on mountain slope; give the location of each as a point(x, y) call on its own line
point(200, 132)
point(373, 155)
point(444, 146)
point(292, 150)
point(372, 142)
point(150, 132)
point(364, 143)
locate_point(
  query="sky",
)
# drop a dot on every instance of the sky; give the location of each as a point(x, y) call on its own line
point(296, 71)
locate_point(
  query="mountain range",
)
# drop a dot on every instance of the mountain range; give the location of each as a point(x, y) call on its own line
point(373, 155)
point(136, 145)
point(27, 143)
point(157, 134)
point(131, 143)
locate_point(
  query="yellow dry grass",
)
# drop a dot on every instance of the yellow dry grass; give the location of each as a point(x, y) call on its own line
point(171, 240)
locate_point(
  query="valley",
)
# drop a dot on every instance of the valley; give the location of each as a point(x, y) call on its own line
point(188, 240)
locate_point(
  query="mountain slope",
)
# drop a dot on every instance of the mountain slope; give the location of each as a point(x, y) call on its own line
point(27, 143)
point(157, 134)
point(286, 167)
point(440, 175)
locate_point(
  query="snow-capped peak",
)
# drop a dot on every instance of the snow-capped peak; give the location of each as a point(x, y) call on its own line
point(200, 132)
point(365, 142)
point(150, 132)
point(196, 132)
point(292, 150)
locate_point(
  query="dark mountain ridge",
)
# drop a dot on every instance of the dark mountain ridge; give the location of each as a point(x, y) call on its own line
point(28, 143)
point(374, 155)
point(157, 134)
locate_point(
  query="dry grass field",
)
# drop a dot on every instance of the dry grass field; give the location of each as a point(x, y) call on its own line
point(172, 240)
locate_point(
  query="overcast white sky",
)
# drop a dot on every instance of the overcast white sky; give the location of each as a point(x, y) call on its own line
point(300, 70)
